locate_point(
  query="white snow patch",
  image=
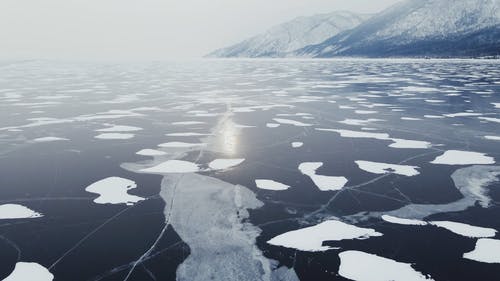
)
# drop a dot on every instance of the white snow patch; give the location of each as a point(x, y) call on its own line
point(486, 250)
point(291, 122)
point(49, 139)
point(120, 128)
point(384, 168)
point(465, 229)
point(457, 157)
point(311, 239)
point(324, 183)
point(114, 136)
point(490, 119)
point(396, 220)
point(177, 144)
point(188, 123)
point(15, 211)
point(272, 125)
point(187, 134)
point(297, 144)
point(220, 164)
point(29, 271)
point(361, 266)
point(114, 190)
point(173, 166)
point(492, 138)
point(150, 152)
point(270, 185)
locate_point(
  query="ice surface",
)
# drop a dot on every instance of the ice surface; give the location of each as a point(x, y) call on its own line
point(324, 183)
point(114, 136)
point(173, 166)
point(15, 211)
point(29, 271)
point(384, 168)
point(114, 190)
point(311, 239)
point(221, 164)
point(272, 125)
point(150, 152)
point(297, 144)
point(486, 250)
point(457, 157)
point(270, 185)
point(361, 266)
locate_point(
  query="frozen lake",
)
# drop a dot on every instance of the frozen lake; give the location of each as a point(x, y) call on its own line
point(250, 170)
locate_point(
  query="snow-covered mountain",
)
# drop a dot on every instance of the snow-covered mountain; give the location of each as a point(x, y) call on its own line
point(420, 28)
point(293, 35)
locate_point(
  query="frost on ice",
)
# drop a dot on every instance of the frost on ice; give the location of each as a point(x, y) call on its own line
point(114, 190)
point(311, 238)
point(361, 266)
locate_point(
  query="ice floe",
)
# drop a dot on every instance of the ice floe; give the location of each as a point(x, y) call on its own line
point(297, 144)
point(497, 138)
point(114, 190)
point(114, 136)
point(402, 143)
point(457, 157)
point(486, 250)
point(384, 168)
point(324, 183)
point(15, 211)
point(291, 122)
point(173, 166)
point(150, 152)
point(270, 185)
point(220, 164)
point(311, 238)
point(361, 266)
point(29, 271)
point(177, 144)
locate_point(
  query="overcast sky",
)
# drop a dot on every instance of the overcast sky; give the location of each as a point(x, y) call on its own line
point(147, 29)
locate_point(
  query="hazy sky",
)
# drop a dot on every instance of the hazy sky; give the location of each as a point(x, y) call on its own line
point(147, 29)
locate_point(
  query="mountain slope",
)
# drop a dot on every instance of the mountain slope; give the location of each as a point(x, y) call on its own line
point(293, 35)
point(420, 28)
